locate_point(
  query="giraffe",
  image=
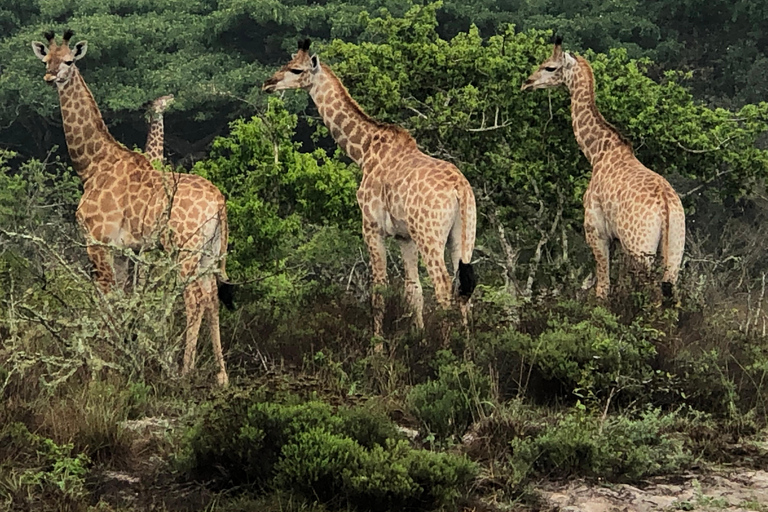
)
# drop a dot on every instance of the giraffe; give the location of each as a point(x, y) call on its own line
point(153, 149)
point(422, 201)
point(624, 199)
point(129, 204)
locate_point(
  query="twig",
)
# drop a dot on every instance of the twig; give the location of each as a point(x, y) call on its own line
point(699, 151)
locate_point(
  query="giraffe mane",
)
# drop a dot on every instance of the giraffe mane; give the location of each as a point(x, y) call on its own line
point(397, 129)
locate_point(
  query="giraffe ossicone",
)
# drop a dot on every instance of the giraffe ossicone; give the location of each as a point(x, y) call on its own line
point(624, 200)
point(129, 204)
point(424, 202)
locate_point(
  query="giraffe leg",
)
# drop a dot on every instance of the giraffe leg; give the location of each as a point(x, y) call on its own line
point(378, 258)
point(194, 298)
point(435, 261)
point(212, 316)
point(601, 249)
point(103, 274)
point(413, 291)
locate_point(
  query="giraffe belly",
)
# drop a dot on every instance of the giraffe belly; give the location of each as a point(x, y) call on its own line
point(121, 237)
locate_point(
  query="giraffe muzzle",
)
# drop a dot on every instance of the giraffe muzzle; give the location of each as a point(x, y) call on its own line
point(269, 85)
point(527, 85)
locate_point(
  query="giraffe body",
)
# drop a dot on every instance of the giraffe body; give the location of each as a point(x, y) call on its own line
point(624, 200)
point(155, 145)
point(424, 202)
point(129, 204)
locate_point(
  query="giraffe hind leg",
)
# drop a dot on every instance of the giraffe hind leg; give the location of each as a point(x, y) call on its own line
point(194, 302)
point(212, 316)
point(413, 291)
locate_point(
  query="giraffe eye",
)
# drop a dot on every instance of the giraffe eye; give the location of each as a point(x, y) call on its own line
point(297, 71)
point(551, 69)
point(69, 62)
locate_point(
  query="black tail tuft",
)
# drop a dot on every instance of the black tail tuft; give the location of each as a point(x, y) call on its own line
point(666, 290)
point(467, 279)
point(227, 294)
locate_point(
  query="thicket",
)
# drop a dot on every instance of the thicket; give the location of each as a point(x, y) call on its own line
point(548, 383)
point(347, 456)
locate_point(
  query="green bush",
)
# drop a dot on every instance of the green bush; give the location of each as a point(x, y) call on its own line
point(581, 350)
point(34, 469)
point(615, 447)
point(350, 456)
point(449, 404)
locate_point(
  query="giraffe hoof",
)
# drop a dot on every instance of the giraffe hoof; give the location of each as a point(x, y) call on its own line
point(222, 379)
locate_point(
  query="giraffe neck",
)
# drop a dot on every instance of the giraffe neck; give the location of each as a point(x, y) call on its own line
point(88, 139)
point(155, 138)
point(596, 137)
point(352, 129)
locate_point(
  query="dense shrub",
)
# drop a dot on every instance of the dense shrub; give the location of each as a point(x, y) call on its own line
point(577, 349)
point(345, 456)
point(448, 404)
point(616, 447)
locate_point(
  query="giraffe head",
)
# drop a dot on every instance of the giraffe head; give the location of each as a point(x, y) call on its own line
point(59, 59)
point(553, 71)
point(299, 73)
point(160, 104)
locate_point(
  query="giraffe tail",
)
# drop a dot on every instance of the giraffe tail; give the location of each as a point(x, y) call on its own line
point(672, 240)
point(225, 289)
point(468, 218)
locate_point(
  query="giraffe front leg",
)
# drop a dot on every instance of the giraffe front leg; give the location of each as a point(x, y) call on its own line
point(103, 274)
point(378, 258)
point(601, 249)
point(413, 292)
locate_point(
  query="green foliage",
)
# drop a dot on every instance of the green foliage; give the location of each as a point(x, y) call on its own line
point(347, 456)
point(583, 349)
point(281, 201)
point(594, 354)
point(34, 466)
point(448, 404)
point(615, 448)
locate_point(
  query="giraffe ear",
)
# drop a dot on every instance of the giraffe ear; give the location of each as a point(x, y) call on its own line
point(40, 49)
point(315, 63)
point(80, 49)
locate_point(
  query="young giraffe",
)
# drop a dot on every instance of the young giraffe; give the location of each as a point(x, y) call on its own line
point(422, 201)
point(154, 148)
point(624, 199)
point(125, 201)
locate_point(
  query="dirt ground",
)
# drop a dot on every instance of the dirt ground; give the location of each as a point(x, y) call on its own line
point(731, 489)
